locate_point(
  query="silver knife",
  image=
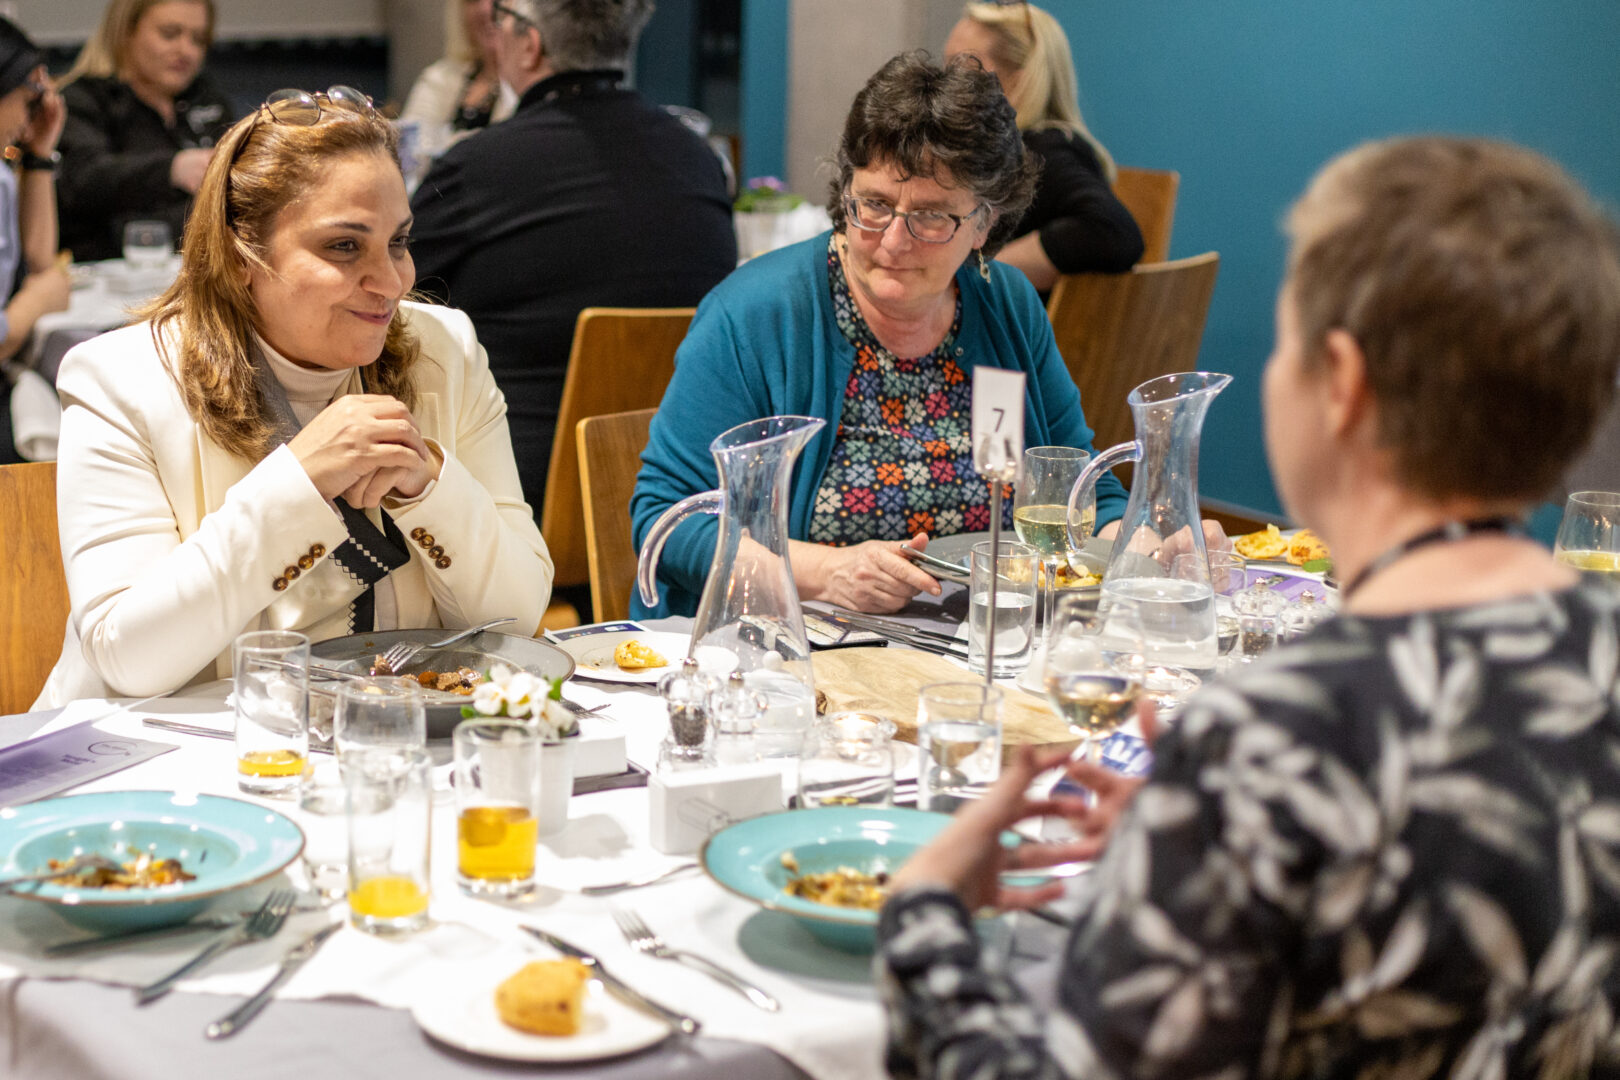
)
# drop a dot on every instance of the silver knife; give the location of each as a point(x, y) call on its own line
point(686, 1025)
point(316, 745)
point(295, 958)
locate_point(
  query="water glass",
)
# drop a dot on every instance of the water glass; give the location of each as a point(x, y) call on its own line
point(848, 760)
point(147, 244)
point(497, 778)
point(1228, 575)
point(323, 803)
point(381, 715)
point(390, 840)
point(1013, 565)
point(958, 743)
point(271, 699)
point(1589, 535)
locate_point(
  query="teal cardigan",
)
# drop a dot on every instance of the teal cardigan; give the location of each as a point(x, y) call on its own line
point(765, 343)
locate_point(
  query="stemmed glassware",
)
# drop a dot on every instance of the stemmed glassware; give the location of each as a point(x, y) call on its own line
point(1095, 668)
point(1041, 512)
point(1589, 535)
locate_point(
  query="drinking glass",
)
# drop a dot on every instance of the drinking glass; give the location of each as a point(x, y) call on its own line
point(323, 803)
point(497, 771)
point(958, 743)
point(1041, 511)
point(147, 244)
point(848, 760)
point(1589, 535)
point(1014, 566)
point(390, 831)
point(1228, 575)
point(1095, 668)
point(378, 715)
point(271, 699)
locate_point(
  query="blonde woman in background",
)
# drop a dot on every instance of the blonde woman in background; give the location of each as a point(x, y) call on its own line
point(462, 92)
point(1075, 223)
point(142, 121)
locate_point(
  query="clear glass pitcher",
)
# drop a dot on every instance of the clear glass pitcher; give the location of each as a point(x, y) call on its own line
point(1162, 520)
point(750, 604)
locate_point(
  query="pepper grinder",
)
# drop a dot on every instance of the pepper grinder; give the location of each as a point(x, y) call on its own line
point(690, 740)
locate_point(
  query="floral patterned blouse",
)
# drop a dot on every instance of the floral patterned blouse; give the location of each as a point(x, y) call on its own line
point(902, 460)
point(1389, 851)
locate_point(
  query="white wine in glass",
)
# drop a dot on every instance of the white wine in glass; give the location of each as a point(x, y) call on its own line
point(1589, 535)
point(1041, 511)
point(1094, 689)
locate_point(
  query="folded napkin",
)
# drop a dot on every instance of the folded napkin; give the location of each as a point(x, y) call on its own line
point(36, 417)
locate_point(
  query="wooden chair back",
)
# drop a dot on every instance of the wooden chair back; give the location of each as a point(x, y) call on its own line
point(1117, 331)
point(622, 359)
point(34, 605)
point(1150, 196)
point(609, 457)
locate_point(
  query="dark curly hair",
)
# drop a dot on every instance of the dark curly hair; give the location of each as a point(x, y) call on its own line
point(926, 120)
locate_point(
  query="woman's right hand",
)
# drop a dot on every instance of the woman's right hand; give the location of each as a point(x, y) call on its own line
point(48, 289)
point(187, 168)
point(871, 576)
point(356, 438)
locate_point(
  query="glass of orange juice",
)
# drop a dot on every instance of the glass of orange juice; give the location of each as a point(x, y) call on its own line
point(497, 780)
point(270, 692)
point(390, 830)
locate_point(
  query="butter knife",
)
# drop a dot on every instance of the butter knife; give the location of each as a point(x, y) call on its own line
point(295, 958)
point(686, 1025)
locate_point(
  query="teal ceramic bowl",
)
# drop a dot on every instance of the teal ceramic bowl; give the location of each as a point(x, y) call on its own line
point(746, 858)
point(229, 844)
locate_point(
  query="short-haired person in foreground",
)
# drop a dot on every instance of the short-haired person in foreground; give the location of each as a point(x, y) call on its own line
point(589, 196)
point(875, 326)
point(285, 443)
point(1393, 848)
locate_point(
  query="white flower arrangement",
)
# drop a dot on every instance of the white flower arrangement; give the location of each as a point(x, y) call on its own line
point(505, 692)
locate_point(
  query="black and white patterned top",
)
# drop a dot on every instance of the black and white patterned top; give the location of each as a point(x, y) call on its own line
point(1391, 851)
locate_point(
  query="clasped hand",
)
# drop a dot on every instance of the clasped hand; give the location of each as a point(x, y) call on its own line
point(364, 447)
point(968, 857)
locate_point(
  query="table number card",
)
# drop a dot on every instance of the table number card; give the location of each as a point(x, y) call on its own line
point(998, 422)
point(51, 764)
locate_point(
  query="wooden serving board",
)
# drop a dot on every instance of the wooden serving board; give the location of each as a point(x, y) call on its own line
point(887, 681)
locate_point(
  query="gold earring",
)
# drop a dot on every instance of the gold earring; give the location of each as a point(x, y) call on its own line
point(984, 267)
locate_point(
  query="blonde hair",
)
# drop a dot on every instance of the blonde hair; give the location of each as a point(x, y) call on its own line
point(103, 55)
point(1045, 91)
point(258, 169)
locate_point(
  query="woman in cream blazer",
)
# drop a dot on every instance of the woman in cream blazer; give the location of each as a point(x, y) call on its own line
point(174, 544)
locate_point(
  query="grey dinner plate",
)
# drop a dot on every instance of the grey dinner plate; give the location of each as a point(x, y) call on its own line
point(958, 550)
point(357, 652)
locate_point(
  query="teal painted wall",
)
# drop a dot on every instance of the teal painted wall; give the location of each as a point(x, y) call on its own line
point(764, 87)
point(1246, 98)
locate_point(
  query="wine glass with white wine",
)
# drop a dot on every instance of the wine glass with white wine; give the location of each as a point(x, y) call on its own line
point(1093, 688)
point(1589, 535)
point(1041, 512)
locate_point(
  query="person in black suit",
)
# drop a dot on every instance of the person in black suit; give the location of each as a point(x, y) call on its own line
point(590, 195)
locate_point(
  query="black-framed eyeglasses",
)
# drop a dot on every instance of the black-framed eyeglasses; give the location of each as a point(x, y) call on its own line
point(928, 226)
point(498, 9)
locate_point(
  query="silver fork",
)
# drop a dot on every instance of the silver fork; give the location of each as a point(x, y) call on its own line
point(643, 940)
point(264, 923)
point(402, 653)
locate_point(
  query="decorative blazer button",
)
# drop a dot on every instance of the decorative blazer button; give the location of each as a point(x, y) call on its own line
point(291, 573)
point(317, 550)
point(435, 552)
point(426, 540)
point(442, 562)
point(418, 532)
point(306, 561)
point(280, 584)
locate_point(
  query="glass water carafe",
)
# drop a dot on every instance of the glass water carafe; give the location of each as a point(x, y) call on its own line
point(750, 605)
point(1162, 520)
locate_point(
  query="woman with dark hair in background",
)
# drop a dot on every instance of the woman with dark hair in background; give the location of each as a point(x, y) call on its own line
point(143, 119)
point(1075, 223)
point(875, 326)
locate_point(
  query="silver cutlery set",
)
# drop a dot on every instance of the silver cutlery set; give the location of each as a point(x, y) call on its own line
point(905, 634)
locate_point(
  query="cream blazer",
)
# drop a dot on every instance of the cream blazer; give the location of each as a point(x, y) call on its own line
point(173, 546)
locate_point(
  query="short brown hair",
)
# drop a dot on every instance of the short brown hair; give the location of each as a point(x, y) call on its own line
point(258, 169)
point(1483, 286)
point(923, 118)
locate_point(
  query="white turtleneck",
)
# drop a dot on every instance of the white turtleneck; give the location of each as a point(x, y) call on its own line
point(309, 390)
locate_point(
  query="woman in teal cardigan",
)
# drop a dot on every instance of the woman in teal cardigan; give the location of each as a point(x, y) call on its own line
point(875, 326)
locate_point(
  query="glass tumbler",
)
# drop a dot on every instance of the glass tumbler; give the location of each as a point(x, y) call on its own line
point(497, 779)
point(390, 840)
point(378, 715)
point(848, 760)
point(271, 699)
point(1014, 566)
point(323, 803)
point(958, 743)
point(147, 244)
